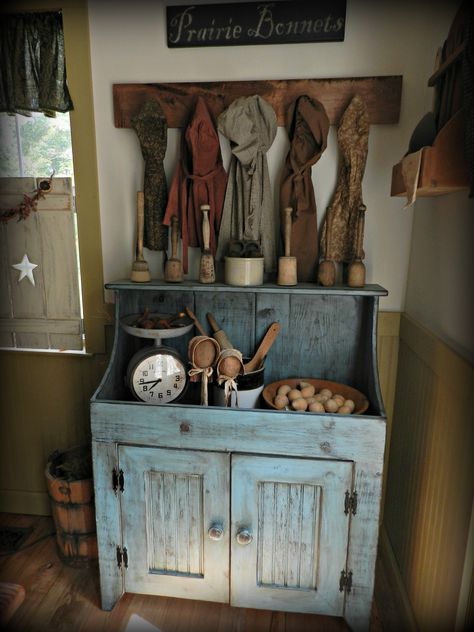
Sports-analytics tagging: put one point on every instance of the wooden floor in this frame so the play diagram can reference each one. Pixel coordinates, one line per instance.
(63, 599)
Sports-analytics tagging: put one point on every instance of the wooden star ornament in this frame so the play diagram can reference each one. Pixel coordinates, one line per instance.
(26, 269)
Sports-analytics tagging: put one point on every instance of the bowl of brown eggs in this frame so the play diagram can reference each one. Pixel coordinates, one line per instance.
(314, 396)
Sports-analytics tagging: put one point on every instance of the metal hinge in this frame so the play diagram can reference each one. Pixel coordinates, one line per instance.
(122, 557)
(117, 480)
(345, 581)
(350, 503)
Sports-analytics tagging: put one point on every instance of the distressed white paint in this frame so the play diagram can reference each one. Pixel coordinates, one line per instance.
(170, 500)
(312, 540)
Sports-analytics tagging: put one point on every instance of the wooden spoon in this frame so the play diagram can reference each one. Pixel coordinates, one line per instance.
(267, 341)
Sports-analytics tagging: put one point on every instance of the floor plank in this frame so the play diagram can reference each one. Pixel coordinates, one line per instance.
(64, 599)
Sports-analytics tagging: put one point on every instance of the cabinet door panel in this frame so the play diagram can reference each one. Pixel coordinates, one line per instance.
(294, 509)
(170, 500)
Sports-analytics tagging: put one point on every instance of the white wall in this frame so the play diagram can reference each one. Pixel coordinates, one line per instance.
(128, 44)
(440, 288)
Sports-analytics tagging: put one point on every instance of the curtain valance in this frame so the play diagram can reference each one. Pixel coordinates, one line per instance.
(32, 64)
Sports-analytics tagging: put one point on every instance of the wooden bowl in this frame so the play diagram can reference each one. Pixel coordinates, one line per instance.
(360, 400)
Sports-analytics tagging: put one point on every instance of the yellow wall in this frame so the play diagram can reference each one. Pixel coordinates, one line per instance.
(431, 475)
(44, 406)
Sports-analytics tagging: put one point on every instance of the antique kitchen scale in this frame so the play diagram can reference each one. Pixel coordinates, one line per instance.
(156, 374)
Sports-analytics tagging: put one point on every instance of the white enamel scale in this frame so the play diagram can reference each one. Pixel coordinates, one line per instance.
(156, 374)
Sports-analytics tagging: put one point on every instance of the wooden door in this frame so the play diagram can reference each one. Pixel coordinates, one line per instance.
(173, 505)
(289, 533)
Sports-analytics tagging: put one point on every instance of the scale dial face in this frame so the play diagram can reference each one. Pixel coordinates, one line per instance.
(157, 376)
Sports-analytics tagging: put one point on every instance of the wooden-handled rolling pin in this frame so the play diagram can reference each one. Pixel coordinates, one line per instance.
(219, 334)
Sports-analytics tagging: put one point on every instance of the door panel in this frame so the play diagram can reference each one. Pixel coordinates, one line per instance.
(170, 500)
(294, 509)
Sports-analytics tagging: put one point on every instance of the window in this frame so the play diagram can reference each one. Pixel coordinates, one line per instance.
(76, 41)
(35, 145)
(41, 306)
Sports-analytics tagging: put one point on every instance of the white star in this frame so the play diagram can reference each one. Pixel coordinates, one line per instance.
(26, 268)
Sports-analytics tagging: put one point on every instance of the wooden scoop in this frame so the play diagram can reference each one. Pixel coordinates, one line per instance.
(287, 267)
(174, 267)
(267, 341)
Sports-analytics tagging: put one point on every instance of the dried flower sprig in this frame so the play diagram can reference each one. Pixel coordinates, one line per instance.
(29, 204)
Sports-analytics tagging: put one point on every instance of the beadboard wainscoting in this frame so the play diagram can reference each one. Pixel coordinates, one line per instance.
(431, 478)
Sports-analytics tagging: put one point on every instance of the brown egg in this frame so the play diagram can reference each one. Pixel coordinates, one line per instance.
(299, 404)
(303, 385)
(325, 391)
(316, 407)
(281, 401)
(311, 400)
(321, 398)
(307, 391)
(344, 410)
(339, 399)
(330, 406)
(350, 404)
(284, 389)
(295, 393)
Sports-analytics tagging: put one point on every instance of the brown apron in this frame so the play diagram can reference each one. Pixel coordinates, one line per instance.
(308, 127)
(200, 178)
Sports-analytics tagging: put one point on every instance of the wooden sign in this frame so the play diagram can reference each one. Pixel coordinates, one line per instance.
(240, 23)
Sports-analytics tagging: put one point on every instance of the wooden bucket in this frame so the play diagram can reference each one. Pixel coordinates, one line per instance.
(72, 504)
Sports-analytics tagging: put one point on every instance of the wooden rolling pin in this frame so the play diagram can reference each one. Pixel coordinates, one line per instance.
(219, 334)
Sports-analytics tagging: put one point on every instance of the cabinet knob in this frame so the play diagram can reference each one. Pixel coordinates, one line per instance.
(216, 532)
(244, 537)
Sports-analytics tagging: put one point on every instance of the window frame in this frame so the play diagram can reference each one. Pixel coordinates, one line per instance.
(79, 75)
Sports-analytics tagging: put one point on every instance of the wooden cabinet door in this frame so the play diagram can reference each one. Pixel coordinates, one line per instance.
(289, 533)
(171, 499)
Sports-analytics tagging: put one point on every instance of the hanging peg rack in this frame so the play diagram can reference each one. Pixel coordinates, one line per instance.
(382, 96)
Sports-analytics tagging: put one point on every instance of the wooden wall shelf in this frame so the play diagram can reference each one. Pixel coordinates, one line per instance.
(443, 166)
(382, 96)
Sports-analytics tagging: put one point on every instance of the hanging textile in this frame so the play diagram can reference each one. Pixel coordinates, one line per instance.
(308, 127)
(33, 65)
(250, 125)
(200, 178)
(151, 128)
(342, 233)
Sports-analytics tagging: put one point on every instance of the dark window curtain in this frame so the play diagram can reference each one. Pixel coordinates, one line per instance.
(32, 63)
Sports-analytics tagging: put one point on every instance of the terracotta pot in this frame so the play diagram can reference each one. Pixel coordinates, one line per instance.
(72, 504)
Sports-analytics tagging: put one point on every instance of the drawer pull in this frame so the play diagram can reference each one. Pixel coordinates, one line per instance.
(216, 532)
(244, 537)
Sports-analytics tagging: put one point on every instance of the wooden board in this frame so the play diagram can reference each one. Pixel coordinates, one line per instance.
(382, 96)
